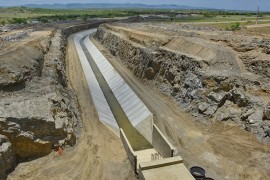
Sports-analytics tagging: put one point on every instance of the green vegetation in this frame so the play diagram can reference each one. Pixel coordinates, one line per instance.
(2, 22)
(234, 26)
(24, 14)
(62, 14)
(17, 21)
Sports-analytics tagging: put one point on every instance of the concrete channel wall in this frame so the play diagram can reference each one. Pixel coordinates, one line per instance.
(138, 114)
(161, 144)
(104, 112)
(131, 154)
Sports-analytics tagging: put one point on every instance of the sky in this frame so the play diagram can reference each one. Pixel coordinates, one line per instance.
(219, 4)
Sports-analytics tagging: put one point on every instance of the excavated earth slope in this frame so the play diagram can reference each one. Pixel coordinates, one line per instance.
(38, 109)
(215, 75)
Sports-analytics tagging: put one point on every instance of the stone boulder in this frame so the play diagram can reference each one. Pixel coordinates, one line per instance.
(255, 117)
(267, 111)
(219, 98)
(247, 113)
(229, 111)
(170, 75)
(211, 110)
(176, 88)
(203, 106)
(239, 98)
(198, 94)
(7, 156)
(149, 73)
(192, 81)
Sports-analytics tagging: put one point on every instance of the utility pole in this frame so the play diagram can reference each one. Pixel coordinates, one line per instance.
(257, 15)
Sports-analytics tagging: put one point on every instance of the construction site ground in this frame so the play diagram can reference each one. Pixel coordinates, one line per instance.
(225, 150)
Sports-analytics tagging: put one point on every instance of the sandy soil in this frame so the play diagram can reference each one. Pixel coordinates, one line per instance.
(225, 151)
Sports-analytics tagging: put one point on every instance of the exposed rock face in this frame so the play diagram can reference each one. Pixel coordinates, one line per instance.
(7, 156)
(267, 111)
(35, 125)
(204, 78)
(17, 68)
(37, 110)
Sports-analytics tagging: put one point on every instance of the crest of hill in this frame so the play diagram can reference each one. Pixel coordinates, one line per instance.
(109, 6)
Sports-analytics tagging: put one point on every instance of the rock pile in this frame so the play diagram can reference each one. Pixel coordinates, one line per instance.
(17, 36)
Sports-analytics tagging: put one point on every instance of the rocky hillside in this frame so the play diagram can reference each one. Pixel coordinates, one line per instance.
(37, 110)
(214, 75)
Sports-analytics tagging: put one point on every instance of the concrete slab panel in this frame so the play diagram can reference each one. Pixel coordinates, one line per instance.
(143, 127)
(161, 144)
(169, 168)
(124, 94)
(103, 110)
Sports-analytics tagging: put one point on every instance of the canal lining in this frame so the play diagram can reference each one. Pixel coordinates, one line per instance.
(136, 139)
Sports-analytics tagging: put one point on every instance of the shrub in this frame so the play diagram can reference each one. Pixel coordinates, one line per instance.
(234, 26)
(43, 19)
(2, 22)
(18, 21)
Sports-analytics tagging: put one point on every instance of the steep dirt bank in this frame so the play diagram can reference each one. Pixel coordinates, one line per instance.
(205, 74)
(224, 149)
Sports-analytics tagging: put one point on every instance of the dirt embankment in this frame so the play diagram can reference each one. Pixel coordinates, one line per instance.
(224, 150)
(214, 77)
(38, 111)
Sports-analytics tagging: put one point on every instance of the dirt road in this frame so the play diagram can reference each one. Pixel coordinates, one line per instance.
(225, 151)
